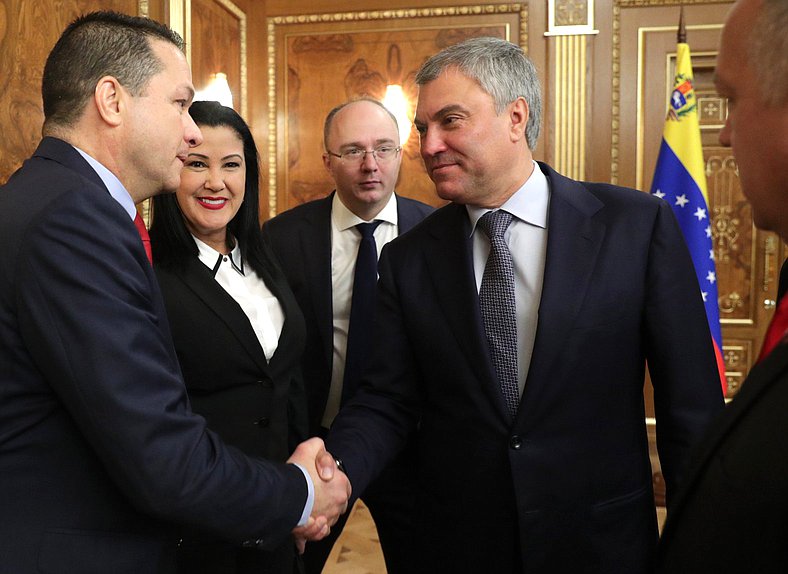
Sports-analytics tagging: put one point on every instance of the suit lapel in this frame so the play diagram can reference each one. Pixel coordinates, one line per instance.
(449, 259)
(573, 243)
(197, 277)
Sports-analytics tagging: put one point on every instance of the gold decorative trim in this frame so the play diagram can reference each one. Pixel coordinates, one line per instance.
(641, 3)
(570, 17)
(570, 105)
(615, 97)
(640, 121)
(180, 14)
(241, 15)
(142, 8)
(368, 15)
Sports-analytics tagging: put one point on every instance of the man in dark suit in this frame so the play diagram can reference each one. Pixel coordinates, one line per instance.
(531, 442)
(731, 514)
(317, 244)
(100, 453)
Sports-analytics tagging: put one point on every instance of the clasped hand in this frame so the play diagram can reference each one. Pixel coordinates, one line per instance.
(332, 490)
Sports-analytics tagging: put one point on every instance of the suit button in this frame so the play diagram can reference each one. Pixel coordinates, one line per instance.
(262, 422)
(515, 443)
(265, 384)
(252, 543)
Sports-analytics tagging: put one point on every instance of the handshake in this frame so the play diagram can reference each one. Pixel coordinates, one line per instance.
(332, 491)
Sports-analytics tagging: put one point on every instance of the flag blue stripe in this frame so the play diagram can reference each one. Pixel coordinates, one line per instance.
(674, 183)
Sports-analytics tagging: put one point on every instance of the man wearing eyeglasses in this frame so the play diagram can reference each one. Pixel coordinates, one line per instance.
(318, 245)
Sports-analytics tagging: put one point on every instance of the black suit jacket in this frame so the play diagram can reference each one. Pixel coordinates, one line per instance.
(254, 405)
(567, 486)
(99, 451)
(732, 513)
(301, 239)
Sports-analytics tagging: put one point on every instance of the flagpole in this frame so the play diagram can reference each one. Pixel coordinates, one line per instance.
(681, 37)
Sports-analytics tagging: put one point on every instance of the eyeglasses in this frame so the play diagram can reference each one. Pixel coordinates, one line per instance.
(358, 155)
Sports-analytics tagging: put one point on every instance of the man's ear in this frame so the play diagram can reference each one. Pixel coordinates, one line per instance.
(327, 163)
(110, 100)
(518, 116)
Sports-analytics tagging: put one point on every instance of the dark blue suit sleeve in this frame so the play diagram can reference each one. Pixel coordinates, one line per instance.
(91, 315)
(680, 355)
(375, 424)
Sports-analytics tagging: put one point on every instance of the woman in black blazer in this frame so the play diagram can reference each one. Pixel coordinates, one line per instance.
(238, 331)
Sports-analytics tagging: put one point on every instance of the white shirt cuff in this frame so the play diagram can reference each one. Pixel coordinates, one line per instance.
(310, 498)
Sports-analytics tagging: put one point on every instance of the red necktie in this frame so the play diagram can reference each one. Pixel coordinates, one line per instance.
(143, 231)
(777, 330)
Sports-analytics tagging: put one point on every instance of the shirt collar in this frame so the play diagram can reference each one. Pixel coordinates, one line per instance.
(212, 259)
(115, 188)
(528, 204)
(345, 219)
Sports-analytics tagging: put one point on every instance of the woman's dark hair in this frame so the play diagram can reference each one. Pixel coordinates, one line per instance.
(171, 240)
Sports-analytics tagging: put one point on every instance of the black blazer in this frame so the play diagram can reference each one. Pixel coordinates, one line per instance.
(99, 451)
(254, 405)
(301, 240)
(566, 487)
(732, 513)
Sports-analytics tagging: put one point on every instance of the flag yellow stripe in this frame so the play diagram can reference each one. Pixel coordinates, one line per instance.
(683, 136)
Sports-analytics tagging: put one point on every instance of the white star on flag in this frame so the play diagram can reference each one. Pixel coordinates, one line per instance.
(700, 213)
(711, 277)
(704, 295)
(660, 194)
(708, 231)
(711, 254)
(681, 200)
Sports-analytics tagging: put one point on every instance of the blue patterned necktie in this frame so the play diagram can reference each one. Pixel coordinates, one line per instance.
(496, 299)
(362, 308)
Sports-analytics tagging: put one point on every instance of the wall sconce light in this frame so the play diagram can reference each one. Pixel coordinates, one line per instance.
(397, 104)
(395, 100)
(218, 90)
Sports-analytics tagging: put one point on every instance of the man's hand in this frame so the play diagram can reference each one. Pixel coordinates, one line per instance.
(332, 490)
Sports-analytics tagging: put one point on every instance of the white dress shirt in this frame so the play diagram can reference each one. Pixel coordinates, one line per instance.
(527, 241)
(345, 239)
(116, 189)
(263, 309)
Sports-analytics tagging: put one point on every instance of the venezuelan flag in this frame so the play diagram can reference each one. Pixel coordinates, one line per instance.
(680, 179)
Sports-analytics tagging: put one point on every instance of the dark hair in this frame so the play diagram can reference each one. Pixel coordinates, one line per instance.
(171, 240)
(95, 45)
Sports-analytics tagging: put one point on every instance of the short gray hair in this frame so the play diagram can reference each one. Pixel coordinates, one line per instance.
(769, 51)
(502, 70)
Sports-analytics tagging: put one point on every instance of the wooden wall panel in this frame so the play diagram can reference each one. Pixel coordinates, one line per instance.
(317, 66)
(218, 44)
(28, 30)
